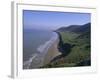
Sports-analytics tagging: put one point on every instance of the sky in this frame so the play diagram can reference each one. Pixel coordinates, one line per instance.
(51, 20)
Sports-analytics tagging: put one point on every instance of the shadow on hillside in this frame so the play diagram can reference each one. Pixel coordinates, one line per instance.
(84, 63)
(64, 48)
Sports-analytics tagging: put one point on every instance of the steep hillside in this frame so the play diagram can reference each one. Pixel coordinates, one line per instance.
(76, 28)
(75, 46)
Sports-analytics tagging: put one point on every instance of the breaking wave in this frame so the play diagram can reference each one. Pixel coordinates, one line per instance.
(37, 58)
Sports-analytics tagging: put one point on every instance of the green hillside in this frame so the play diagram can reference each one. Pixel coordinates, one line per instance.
(75, 48)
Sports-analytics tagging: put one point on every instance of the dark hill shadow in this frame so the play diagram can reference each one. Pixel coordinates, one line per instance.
(84, 63)
(64, 48)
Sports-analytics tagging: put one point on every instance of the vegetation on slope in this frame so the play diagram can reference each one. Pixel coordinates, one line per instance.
(74, 46)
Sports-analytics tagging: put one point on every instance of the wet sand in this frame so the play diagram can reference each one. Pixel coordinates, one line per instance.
(52, 52)
(48, 53)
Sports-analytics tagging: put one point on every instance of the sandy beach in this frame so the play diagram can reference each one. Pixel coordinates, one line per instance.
(52, 52)
(46, 53)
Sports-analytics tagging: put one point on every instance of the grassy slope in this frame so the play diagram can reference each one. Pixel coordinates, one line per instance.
(78, 53)
(80, 50)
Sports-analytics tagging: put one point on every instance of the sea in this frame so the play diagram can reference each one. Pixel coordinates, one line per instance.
(35, 45)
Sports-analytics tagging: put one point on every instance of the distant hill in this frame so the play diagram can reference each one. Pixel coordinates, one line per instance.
(76, 28)
(75, 46)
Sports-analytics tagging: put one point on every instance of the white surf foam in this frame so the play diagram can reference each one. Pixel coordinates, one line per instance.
(41, 51)
(46, 45)
(28, 63)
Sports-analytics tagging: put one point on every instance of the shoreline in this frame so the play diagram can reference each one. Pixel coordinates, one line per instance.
(46, 52)
(52, 52)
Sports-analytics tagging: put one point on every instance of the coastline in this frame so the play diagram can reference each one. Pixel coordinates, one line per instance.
(46, 53)
(52, 52)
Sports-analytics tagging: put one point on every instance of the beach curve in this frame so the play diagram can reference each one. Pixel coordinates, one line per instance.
(46, 52)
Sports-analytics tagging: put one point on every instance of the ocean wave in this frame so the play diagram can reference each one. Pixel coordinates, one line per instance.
(41, 51)
(28, 63)
(47, 44)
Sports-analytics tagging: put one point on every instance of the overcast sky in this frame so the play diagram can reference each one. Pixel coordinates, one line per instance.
(53, 20)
